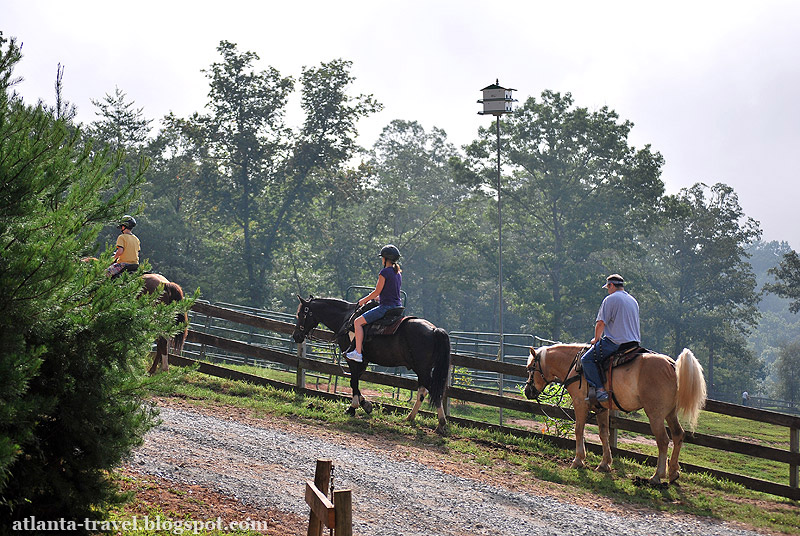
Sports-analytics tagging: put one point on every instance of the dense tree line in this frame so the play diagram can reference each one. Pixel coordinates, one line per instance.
(254, 211)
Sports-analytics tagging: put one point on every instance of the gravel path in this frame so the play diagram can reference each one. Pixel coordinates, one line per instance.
(392, 495)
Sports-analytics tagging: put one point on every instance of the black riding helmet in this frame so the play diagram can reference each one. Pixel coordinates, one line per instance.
(127, 221)
(390, 252)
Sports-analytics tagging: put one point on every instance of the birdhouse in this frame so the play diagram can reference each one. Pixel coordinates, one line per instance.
(496, 100)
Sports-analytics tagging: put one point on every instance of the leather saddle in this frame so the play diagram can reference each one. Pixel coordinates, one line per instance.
(388, 325)
(624, 355)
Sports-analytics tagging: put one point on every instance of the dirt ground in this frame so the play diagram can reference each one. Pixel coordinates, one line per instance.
(180, 501)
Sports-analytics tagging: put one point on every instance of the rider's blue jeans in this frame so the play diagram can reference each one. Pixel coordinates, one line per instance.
(377, 313)
(593, 359)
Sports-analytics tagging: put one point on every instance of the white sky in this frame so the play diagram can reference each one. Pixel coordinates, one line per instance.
(714, 86)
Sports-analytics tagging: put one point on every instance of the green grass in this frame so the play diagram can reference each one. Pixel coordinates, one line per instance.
(698, 494)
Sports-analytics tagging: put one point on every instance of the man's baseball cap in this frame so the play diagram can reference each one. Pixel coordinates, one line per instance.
(616, 279)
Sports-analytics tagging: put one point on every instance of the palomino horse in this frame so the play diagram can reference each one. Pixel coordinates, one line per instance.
(418, 345)
(662, 386)
(170, 293)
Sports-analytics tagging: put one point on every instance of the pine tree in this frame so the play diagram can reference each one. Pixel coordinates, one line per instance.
(72, 342)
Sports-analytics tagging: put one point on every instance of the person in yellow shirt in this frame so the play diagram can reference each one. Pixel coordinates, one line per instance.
(126, 256)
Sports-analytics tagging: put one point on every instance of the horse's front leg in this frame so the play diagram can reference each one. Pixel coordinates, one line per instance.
(581, 414)
(161, 354)
(603, 419)
(421, 392)
(356, 369)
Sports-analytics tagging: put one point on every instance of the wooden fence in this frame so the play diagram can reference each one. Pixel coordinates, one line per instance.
(302, 364)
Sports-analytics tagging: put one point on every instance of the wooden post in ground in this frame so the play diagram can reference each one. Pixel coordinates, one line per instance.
(322, 480)
(613, 432)
(343, 506)
(336, 515)
(301, 373)
(794, 446)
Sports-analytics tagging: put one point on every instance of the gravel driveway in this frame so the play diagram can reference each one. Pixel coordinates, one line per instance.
(267, 467)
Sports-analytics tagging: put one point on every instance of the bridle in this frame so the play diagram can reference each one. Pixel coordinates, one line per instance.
(308, 313)
(537, 367)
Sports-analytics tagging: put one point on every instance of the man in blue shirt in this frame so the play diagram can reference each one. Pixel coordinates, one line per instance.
(617, 323)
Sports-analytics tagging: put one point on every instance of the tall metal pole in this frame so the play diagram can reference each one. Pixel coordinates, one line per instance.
(499, 242)
(499, 265)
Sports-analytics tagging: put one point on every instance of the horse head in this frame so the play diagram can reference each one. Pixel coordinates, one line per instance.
(305, 320)
(536, 380)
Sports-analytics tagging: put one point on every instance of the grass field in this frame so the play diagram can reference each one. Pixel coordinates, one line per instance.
(697, 494)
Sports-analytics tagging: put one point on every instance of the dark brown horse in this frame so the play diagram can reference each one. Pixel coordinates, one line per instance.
(418, 345)
(170, 293)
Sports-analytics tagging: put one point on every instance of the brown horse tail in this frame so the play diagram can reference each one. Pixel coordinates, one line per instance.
(175, 295)
(691, 387)
(441, 366)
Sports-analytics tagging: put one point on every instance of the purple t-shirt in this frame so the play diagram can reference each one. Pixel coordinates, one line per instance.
(390, 294)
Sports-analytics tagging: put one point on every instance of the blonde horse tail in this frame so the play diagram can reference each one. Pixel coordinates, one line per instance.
(691, 387)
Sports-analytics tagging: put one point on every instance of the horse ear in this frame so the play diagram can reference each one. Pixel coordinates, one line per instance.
(300, 298)
(310, 297)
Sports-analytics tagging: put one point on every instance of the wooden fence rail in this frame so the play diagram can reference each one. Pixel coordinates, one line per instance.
(301, 364)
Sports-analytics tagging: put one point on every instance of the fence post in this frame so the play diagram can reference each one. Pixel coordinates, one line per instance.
(343, 506)
(301, 373)
(612, 429)
(322, 480)
(794, 446)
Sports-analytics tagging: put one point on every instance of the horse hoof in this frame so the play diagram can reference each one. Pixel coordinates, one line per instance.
(367, 405)
(603, 468)
(577, 464)
(441, 430)
(673, 478)
(351, 411)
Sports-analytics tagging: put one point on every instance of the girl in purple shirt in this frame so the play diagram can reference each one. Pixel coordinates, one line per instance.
(387, 290)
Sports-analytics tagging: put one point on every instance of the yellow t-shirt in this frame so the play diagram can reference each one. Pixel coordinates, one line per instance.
(130, 248)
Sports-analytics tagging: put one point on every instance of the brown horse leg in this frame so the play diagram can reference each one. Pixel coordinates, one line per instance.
(421, 392)
(581, 414)
(677, 442)
(161, 353)
(603, 424)
(662, 440)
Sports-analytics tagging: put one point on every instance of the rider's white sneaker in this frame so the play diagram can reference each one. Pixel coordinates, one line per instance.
(354, 356)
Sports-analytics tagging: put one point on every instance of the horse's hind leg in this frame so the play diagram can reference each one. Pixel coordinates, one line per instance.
(677, 441)
(662, 440)
(421, 392)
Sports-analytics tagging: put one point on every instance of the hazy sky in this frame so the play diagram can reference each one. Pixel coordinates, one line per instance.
(713, 86)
